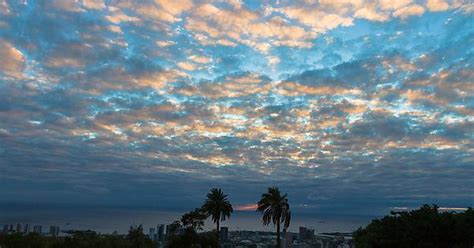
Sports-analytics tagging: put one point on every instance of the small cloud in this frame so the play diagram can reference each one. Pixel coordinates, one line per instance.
(273, 60)
(246, 207)
(12, 61)
(4, 132)
(200, 59)
(408, 11)
(187, 66)
(452, 209)
(437, 5)
(400, 208)
(371, 14)
(66, 5)
(94, 4)
(165, 43)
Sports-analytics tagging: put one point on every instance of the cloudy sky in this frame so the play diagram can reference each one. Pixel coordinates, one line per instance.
(347, 105)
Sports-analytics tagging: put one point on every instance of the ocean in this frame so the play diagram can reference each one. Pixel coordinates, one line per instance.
(108, 220)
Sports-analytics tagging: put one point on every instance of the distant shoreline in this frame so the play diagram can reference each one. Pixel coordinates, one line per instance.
(108, 220)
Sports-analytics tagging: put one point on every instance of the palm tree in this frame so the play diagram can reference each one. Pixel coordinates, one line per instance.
(218, 207)
(275, 208)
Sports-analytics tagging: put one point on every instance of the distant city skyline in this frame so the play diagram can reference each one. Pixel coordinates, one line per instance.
(350, 107)
(305, 237)
(108, 220)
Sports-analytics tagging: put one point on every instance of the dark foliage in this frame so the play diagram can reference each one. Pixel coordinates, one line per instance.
(185, 233)
(194, 219)
(137, 238)
(190, 238)
(78, 239)
(218, 207)
(424, 227)
(275, 209)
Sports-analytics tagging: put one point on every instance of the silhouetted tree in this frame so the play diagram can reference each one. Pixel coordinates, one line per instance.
(276, 209)
(137, 238)
(174, 227)
(78, 239)
(188, 235)
(424, 227)
(194, 219)
(191, 239)
(218, 207)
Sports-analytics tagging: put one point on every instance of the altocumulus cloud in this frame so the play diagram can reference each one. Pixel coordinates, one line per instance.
(347, 105)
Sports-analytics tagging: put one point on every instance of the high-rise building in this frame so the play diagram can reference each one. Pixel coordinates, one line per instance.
(151, 234)
(37, 229)
(287, 239)
(305, 233)
(26, 229)
(160, 232)
(54, 231)
(5, 228)
(285, 242)
(11, 229)
(18, 228)
(224, 234)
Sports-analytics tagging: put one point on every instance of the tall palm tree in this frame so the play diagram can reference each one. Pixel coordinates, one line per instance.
(218, 207)
(275, 208)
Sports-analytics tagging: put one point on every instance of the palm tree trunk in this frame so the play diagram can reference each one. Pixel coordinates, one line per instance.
(278, 233)
(218, 236)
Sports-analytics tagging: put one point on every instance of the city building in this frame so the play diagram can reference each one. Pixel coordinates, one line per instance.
(5, 228)
(160, 231)
(151, 233)
(224, 234)
(305, 234)
(287, 239)
(26, 229)
(37, 229)
(54, 231)
(18, 228)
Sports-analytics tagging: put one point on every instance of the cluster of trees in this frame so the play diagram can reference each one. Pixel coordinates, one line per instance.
(424, 227)
(273, 205)
(78, 239)
(186, 232)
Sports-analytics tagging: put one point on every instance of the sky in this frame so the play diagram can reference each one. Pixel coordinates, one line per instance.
(349, 106)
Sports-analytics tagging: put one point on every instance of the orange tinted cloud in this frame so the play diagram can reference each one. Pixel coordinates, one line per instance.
(12, 61)
(246, 207)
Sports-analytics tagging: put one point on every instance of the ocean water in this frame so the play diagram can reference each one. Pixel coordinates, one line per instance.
(108, 220)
